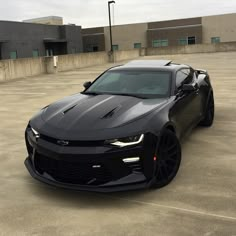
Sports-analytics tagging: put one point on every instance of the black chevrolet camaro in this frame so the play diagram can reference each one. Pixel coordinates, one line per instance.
(122, 132)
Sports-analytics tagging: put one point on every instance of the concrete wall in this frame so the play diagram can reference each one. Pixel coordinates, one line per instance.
(26, 67)
(126, 35)
(13, 69)
(70, 62)
(223, 26)
(188, 49)
(126, 55)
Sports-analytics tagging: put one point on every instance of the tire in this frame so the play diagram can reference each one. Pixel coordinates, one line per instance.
(209, 115)
(168, 159)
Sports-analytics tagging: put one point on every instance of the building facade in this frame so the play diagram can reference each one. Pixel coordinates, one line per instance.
(20, 40)
(174, 32)
(93, 39)
(126, 36)
(48, 36)
(220, 28)
(188, 31)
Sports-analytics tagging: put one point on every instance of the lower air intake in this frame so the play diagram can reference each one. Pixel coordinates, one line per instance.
(73, 172)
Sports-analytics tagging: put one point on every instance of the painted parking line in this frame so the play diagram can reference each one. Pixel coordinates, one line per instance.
(208, 214)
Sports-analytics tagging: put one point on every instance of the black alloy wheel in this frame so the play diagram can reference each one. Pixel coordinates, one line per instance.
(168, 158)
(209, 115)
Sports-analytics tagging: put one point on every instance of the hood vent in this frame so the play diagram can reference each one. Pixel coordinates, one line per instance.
(111, 113)
(70, 108)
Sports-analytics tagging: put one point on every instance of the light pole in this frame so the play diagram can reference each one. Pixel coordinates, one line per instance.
(109, 11)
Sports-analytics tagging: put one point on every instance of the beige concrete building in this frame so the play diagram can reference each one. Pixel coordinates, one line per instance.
(174, 32)
(208, 29)
(49, 20)
(220, 28)
(126, 36)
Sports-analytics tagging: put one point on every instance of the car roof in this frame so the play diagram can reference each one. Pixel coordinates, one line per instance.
(150, 64)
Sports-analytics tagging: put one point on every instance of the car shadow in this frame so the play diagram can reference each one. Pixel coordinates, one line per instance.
(85, 199)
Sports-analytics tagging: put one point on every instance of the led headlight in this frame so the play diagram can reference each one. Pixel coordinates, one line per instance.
(36, 133)
(128, 141)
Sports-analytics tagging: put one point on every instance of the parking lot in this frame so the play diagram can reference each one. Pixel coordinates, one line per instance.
(200, 201)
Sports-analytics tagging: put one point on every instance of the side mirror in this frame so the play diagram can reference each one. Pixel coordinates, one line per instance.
(188, 87)
(87, 84)
(201, 71)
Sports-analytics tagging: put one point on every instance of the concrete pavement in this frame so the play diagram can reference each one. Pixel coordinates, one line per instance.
(200, 201)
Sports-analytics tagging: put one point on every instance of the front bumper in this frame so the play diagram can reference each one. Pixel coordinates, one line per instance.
(102, 188)
(74, 167)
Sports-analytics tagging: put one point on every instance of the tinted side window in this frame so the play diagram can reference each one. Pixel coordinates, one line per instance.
(184, 76)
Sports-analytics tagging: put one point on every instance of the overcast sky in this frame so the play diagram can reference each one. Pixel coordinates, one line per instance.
(91, 13)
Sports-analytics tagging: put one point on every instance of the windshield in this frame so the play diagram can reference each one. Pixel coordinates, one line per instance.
(144, 84)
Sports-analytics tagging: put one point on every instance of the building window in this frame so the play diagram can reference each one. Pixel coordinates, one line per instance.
(115, 47)
(160, 43)
(137, 45)
(13, 55)
(36, 53)
(95, 48)
(91, 48)
(187, 41)
(192, 40)
(183, 41)
(156, 43)
(215, 40)
(164, 43)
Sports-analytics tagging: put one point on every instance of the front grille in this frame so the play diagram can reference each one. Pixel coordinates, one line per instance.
(73, 172)
(73, 143)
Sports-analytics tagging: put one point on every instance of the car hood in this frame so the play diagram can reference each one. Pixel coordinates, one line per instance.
(86, 113)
